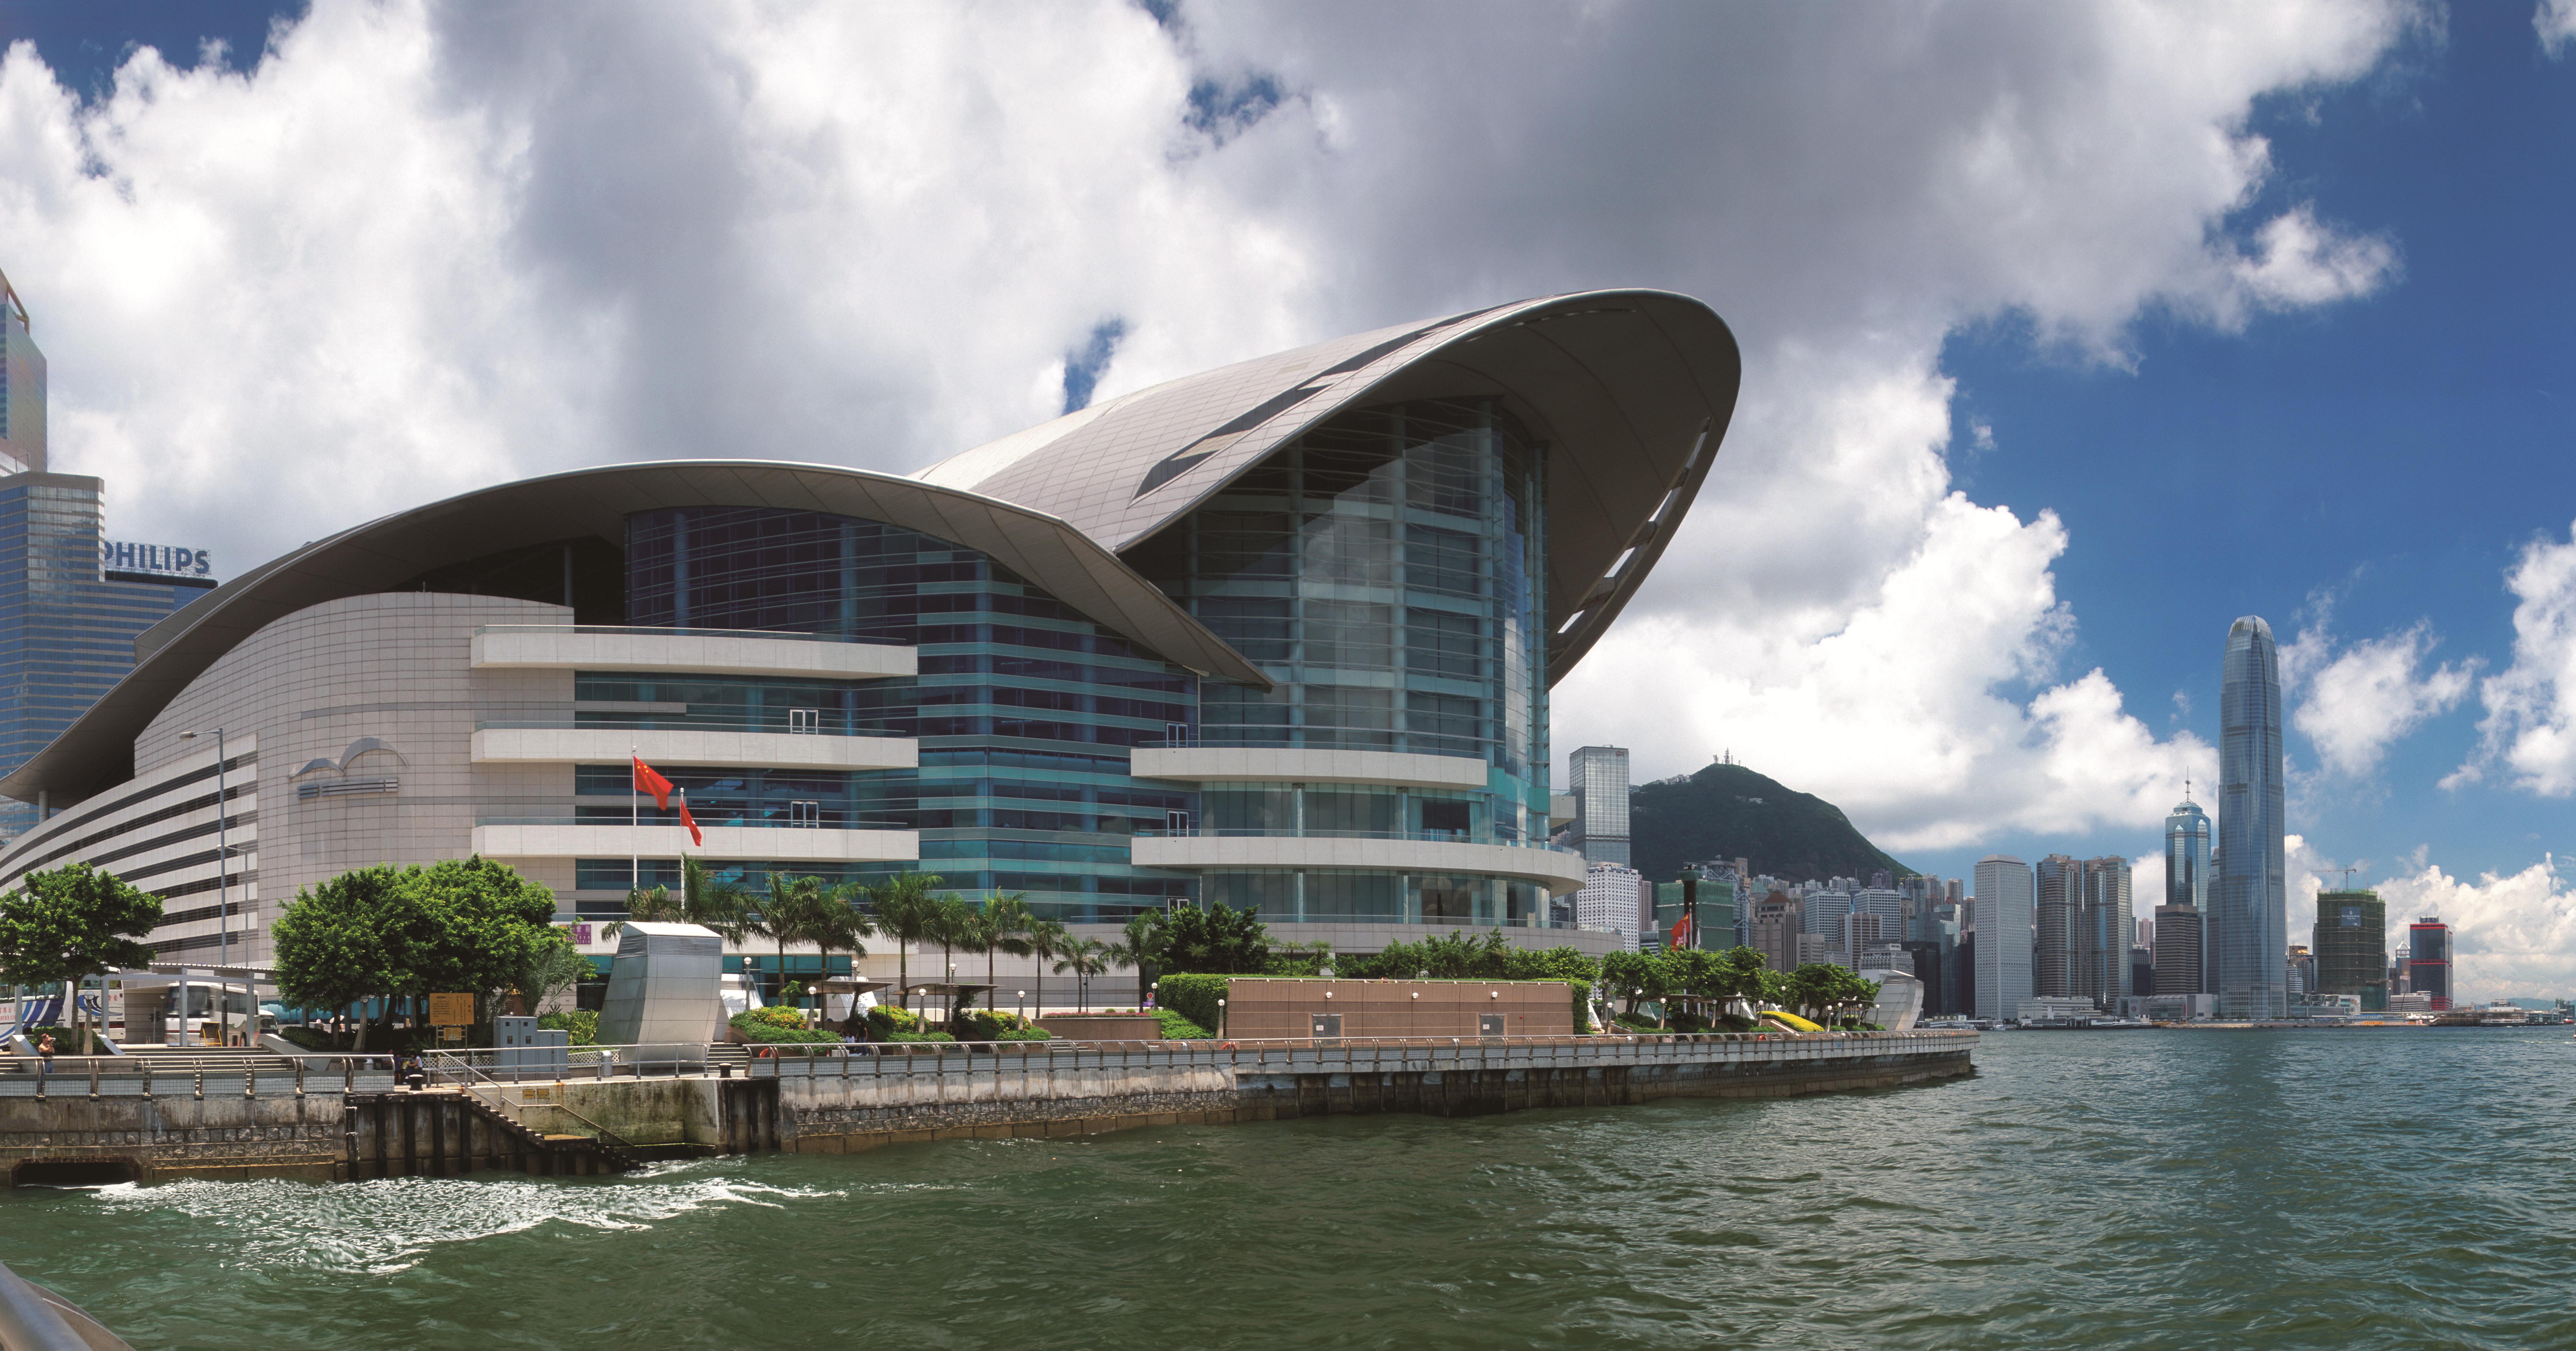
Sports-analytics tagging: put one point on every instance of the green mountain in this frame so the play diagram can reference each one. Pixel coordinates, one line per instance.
(1728, 811)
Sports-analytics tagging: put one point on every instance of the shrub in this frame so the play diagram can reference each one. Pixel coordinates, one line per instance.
(1193, 997)
(993, 1025)
(761, 1035)
(1027, 1034)
(775, 1015)
(580, 1026)
(1177, 1026)
(886, 1022)
(921, 1036)
(311, 1039)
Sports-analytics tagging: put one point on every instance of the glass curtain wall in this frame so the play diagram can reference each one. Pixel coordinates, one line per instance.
(1383, 569)
(1024, 708)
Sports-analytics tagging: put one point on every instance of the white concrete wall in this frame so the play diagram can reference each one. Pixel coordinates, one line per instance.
(565, 649)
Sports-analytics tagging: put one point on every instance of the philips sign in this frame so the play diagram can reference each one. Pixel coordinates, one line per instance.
(163, 560)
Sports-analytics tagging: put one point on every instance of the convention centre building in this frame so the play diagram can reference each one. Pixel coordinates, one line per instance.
(1278, 634)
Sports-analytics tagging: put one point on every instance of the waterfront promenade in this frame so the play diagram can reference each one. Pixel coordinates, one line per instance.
(330, 1118)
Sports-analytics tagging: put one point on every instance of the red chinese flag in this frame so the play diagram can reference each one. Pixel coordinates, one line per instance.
(646, 781)
(691, 822)
(1682, 934)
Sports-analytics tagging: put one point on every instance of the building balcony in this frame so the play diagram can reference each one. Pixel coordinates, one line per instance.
(1293, 764)
(589, 647)
(748, 746)
(570, 837)
(1560, 870)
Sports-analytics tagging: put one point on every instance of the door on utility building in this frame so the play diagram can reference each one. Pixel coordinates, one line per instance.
(1328, 1024)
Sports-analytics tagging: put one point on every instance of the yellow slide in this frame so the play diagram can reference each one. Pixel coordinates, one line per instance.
(1789, 1021)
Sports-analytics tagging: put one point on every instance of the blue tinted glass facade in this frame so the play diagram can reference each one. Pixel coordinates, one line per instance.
(1384, 569)
(2249, 923)
(66, 634)
(1024, 709)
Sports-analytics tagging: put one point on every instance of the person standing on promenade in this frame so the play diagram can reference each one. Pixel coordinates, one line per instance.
(44, 1054)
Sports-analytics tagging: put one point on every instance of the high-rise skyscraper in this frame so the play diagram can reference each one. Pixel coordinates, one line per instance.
(2249, 922)
(22, 389)
(1598, 778)
(2104, 932)
(2351, 946)
(2052, 959)
(71, 603)
(2428, 959)
(2005, 898)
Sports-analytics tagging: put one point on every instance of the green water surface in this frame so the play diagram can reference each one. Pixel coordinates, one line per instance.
(2141, 1189)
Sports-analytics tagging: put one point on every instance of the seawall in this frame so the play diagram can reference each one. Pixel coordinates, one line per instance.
(322, 1126)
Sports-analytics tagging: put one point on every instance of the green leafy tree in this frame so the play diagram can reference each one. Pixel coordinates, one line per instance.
(331, 943)
(554, 967)
(1219, 940)
(469, 924)
(904, 907)
(1629, 977)
(952, 925)
(71, 923)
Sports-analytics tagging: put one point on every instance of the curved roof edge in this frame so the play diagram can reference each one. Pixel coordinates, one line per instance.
(1633, 389)
(97, 750)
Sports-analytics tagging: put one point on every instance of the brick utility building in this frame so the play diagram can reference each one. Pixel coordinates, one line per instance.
(1279, 634)
(2351, 947)
(1287, 1006)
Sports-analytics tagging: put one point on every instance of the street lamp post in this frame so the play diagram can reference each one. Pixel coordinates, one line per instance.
(223, 902)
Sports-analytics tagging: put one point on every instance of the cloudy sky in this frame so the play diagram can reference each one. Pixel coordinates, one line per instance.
(2072, 331)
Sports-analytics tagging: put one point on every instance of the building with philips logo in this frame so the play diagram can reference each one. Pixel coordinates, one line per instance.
(1277, 635)
(69, 613)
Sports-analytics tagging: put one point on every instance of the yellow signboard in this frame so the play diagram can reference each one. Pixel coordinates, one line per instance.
(451, 1010)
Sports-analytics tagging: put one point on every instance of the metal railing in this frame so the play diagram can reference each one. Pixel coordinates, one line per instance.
(1416, 836)
(297, 1076)
(782, 725)
(709, 820)
(647, 631)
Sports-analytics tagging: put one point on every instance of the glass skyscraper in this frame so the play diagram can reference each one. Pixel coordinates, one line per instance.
(2182, 964)
(1599, 781)
(22, 389)
(2249, 921)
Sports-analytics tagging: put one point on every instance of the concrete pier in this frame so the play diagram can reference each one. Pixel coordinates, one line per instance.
(306, 1121)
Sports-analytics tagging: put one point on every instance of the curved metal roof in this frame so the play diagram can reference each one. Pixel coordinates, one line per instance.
(1632, 390)
(97, 750)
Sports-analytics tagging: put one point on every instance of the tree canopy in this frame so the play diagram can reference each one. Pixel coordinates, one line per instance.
(71, 923)
(464, 925)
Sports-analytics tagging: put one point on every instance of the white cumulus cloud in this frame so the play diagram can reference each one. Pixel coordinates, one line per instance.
(2355, 701)
(423, 247)
(2555, 21)
(2530, 722)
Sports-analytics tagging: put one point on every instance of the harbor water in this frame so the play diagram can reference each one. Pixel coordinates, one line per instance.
(2341, 1189)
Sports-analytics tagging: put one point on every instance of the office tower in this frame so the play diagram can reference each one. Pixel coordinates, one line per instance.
(1824, 916)
(2005, 899)
(1609, 899)
(2428, 960)
(2188, 839)
(1598, 778)
(2301, 969)
(1773, 930)
(71, 603)
(1887, 904)
(2142, 970)
(2351, 947)
(2179, 960)
(22, 389)
(2052, 962)
(2105, 931)
(2249, 921)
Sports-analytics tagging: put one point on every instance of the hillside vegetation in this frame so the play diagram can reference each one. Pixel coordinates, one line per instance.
(1728, 811)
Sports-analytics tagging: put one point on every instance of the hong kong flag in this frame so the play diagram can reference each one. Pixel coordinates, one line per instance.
(691, 822)
(647, 781)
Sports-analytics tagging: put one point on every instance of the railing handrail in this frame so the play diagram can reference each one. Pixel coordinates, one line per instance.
(681, 722)
(1419, 836)
(647, 630)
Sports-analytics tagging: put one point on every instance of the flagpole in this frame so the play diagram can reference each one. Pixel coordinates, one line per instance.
(634, 817)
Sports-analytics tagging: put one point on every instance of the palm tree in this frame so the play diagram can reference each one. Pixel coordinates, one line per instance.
(904, 907)
(1001, 926)
(1085, 958)
(1142, 947)
(951, 920)
(722, 908)
(802, 910)
(1047, 940)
